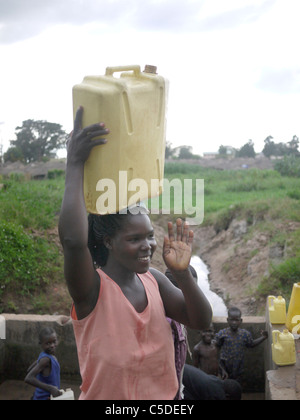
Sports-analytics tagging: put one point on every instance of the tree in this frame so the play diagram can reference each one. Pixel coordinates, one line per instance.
(37, 140)
(185, 152)
(270, 147)
(281, 149)
(169, 151)
(247, 150)
(13, 154)
(223, 150)
(293, 146)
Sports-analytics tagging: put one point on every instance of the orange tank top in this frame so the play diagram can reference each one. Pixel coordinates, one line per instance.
(123, 354)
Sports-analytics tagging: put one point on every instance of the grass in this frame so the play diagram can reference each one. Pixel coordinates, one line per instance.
(29, 259)
(29, 209)
(31, 204)
(253, 190)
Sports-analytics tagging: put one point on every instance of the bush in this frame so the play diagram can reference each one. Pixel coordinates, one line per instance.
(281, 279)
(289, 166)
(56, 173)
(25, 261)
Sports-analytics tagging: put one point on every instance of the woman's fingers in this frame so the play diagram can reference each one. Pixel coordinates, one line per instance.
(92, 131)
(78, 120)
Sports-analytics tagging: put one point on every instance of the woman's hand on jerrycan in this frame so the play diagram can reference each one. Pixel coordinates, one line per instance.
(81, 140)
(177, 251)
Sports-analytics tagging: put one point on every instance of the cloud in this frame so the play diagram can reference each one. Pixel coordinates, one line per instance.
(280, 81)
(236, 16)
(167, 15)
(20, 19)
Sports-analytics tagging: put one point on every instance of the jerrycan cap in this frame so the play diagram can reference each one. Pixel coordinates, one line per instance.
(150, 69)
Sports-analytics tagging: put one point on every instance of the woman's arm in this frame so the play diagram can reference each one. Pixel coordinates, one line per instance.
(82, 279)
(187, 305)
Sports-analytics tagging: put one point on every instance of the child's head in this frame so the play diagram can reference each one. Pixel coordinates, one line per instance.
(128, 237)
(208, 335)
(48, 340)
(234, 318)
(171, 278)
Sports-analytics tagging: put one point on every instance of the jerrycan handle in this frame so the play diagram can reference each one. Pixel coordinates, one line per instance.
(271, 298)
(111, 70)
(275, 336)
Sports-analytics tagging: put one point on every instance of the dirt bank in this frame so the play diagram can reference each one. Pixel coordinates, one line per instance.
(239, 258)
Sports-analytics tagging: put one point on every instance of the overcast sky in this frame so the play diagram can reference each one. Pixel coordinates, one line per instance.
(233, 65)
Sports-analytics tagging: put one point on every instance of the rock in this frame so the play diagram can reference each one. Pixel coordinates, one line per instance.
(238, 228)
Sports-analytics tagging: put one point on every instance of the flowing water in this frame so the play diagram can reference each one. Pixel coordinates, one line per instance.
(219, 307)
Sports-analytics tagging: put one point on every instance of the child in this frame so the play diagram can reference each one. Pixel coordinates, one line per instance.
(205, 353)
(124, 342)
(45, 373)
(233, 342)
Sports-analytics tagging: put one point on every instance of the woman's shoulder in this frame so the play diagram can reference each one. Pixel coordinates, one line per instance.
(158, 275)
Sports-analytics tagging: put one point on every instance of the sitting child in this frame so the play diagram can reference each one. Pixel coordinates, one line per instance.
(232, 342)
(44, 374)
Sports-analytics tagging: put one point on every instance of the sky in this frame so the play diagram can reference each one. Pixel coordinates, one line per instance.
(233, 65)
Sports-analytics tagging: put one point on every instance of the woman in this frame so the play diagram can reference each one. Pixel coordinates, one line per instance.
(124, 342)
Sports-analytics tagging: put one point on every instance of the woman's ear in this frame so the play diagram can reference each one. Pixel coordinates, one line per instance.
(107, 242)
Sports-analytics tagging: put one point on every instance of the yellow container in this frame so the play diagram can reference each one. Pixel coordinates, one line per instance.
(293, 316)
(131, 164)
(277, 310)
(67, 395)
(283, 348)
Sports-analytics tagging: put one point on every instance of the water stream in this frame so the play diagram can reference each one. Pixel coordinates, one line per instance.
(219, 307)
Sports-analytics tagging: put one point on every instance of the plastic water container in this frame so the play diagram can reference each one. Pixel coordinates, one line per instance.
(277, 310)
(2, 328)
(67, 395)
(283, 348)
(293, 316)
(131, 164)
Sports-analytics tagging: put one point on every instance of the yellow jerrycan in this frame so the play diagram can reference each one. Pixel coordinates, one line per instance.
(277, 310)
(67, 395)
(129, 168)
(283, 348)
(293, 316)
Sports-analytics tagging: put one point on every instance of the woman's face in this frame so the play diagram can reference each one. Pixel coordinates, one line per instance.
(134, 244)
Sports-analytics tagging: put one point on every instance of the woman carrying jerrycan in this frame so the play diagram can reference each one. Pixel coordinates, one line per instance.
(124, 342)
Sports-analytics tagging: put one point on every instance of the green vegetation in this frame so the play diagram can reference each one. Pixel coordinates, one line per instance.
(27, 262)
(31, 258)
(31, 204)
(241, 193)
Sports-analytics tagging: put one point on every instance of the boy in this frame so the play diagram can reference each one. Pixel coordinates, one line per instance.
(233, 341)
(45, 373)
(205, 353)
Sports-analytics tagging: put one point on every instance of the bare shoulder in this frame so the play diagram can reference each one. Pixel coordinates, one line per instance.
(158, 275)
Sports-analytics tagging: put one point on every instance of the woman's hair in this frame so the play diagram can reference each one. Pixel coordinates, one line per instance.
(108, 225)
(99, 227)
